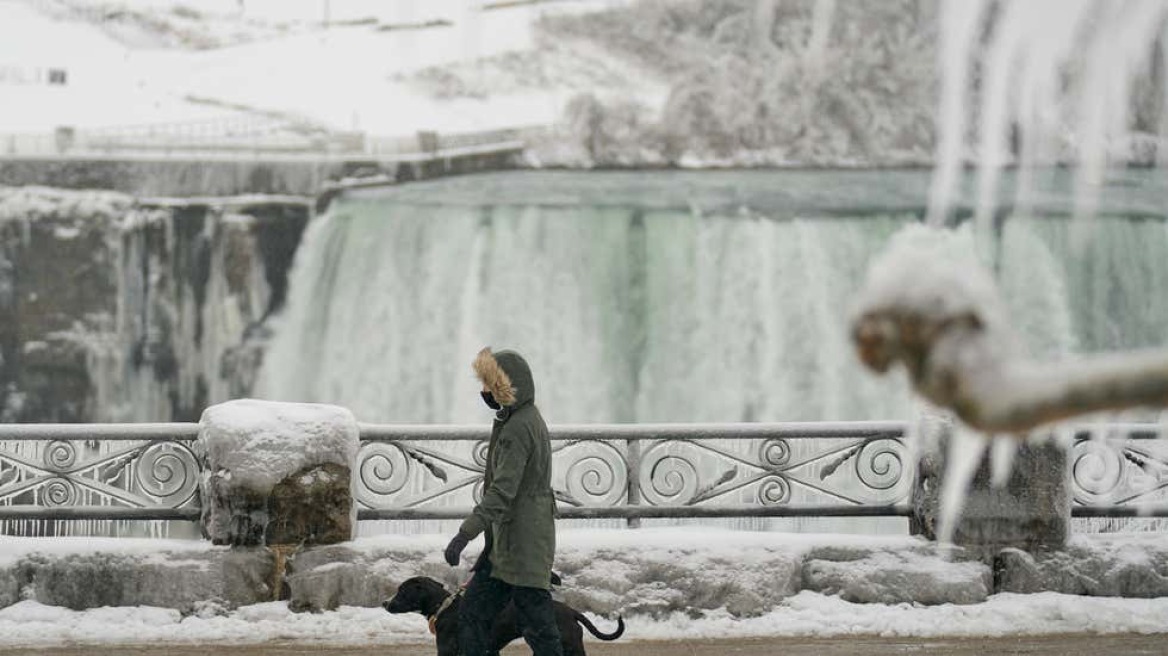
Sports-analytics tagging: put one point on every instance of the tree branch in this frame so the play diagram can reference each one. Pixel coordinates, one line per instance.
(930, 306)
(952, 366)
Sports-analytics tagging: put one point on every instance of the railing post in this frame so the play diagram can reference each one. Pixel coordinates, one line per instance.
(1031, 510)
(633, 479)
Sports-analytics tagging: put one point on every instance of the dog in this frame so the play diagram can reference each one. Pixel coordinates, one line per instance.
(430, 599)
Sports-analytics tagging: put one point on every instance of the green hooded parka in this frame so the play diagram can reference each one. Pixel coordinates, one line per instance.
(517, 506)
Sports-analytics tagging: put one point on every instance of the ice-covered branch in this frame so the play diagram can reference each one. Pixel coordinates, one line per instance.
(931, 306)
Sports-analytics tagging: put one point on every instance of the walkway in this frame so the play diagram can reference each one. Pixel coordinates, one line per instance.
(1062, 645)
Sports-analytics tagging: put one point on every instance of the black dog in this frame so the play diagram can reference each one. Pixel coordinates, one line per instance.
(426, 596)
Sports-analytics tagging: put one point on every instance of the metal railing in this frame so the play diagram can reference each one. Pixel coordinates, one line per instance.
(151, 471)
(633, 471)
(254, 137)
(1120, 470)
(98, 471)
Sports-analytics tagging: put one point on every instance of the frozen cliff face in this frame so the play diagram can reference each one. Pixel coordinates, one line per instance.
(115, 309)
(57, 281)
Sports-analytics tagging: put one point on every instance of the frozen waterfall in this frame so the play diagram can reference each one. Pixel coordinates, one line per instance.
(648, 297)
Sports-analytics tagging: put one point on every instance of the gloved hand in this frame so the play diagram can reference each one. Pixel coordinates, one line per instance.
(454, 549)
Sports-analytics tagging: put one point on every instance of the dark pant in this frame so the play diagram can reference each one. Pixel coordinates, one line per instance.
(485, 597)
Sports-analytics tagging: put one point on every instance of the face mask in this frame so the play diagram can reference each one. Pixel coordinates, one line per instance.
(489, 399)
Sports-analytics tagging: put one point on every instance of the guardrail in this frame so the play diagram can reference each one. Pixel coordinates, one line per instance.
(635, 471)
(253, 139)
(630, 471)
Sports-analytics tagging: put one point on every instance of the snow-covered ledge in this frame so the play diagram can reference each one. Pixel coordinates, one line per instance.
(277, 473)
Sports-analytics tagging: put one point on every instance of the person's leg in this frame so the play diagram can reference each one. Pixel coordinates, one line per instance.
(538, 620)
(482, 601)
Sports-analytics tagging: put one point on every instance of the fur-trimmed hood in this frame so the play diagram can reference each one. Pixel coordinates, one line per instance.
(506, 376)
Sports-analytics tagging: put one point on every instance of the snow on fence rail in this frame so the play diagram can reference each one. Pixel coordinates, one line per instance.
(631, 471)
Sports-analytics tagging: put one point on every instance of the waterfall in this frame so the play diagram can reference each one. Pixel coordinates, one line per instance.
(1108, 293)
(627, 314)
(663, 297)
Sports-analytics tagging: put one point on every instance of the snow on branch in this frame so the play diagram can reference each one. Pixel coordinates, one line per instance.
(930, 305)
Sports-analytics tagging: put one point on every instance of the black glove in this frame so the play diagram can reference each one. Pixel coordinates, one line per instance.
(454, 549)
(556, 580)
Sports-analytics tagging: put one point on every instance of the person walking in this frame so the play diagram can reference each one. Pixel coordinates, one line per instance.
(517, 513)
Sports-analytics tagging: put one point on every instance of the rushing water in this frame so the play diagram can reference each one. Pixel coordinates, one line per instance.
(664, 296)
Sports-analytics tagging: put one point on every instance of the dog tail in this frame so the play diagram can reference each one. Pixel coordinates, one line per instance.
(620, 627)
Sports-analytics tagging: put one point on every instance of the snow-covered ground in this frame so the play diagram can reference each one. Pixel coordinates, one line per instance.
(804, 613)
(137, 62)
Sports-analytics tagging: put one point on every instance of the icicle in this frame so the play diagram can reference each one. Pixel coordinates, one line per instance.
(822, 17)
(1003, 448)
(962, 459)
(961, 19)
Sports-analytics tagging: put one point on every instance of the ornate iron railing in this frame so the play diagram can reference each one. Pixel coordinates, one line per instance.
(633, 471)
(1120, 470)
(98, 471)
(149, 471)
(646, 470)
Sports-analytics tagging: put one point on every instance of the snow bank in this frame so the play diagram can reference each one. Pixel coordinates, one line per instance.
(650, 572)
(884, 577)
(14, 548)
(719, 560)
(815, 614)
(806, 614)
(30, 623)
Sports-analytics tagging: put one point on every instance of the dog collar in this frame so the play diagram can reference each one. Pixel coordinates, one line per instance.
(433, 619)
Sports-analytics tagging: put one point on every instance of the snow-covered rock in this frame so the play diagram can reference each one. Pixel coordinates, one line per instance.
(896, 577)
(655, 578)
(186, 582)
(689, 578)
(9, 587)
(328, 577)
(1101, 566)
(277, 473)
(647, 572)
(80, 573)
